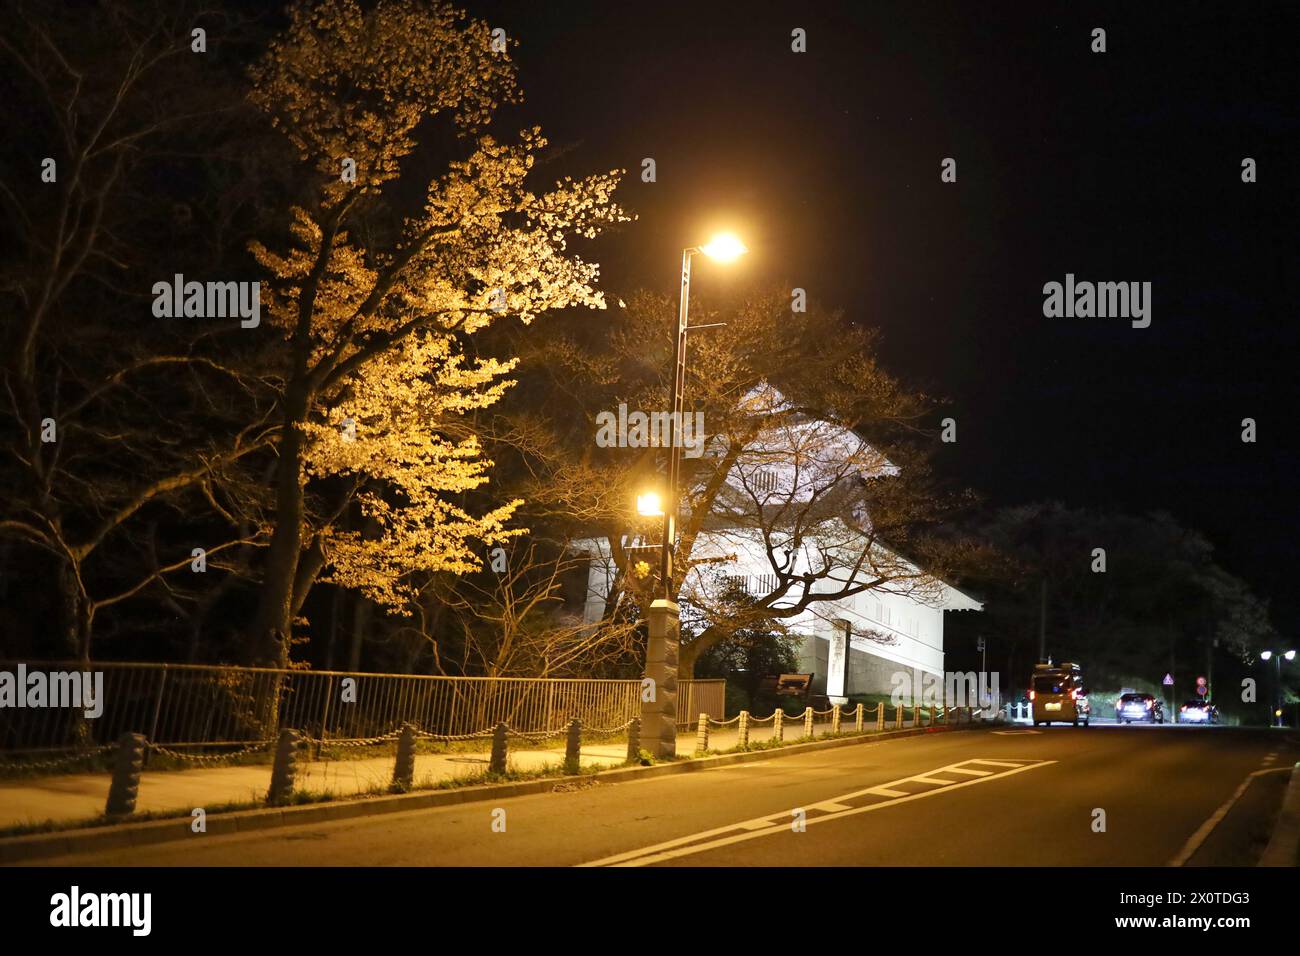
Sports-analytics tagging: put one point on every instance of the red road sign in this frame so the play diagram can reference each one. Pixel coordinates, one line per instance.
(1202, 690)
(1169, 680)
(1200, 682)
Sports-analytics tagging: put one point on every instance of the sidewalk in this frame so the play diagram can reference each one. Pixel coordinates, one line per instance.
(71, 797)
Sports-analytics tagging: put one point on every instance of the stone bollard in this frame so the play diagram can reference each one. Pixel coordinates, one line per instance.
(859, 715)
(898, 717)
(835, 719)
(880, 717)
(742, 729)
(286, 767)
(404, 768)
(702, 734)
(573, 747)
(807, 721)
(778, 728)
(125, 787)
(634, 741)
(500, 746)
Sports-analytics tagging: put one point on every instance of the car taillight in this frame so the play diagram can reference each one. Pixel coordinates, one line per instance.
(1031, 695)
(1184, 708)
(1150, 704)
(1074, 695)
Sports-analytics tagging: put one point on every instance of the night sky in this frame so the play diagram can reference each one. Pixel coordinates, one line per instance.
(1116, 166)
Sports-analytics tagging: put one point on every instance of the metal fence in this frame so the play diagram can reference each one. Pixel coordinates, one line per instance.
(187, 705)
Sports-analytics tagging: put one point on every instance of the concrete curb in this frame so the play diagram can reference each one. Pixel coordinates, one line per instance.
(1284, 845)
(39, 846)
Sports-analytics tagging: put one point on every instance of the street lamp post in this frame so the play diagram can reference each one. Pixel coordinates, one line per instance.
(659, 691)
(1277, 679)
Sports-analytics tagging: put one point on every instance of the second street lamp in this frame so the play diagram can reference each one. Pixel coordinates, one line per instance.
(1277, 680)
(659, 692)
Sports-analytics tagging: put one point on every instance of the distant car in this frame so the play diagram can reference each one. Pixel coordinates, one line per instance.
(1198, 711)
(1057, 694)
(1144, 707)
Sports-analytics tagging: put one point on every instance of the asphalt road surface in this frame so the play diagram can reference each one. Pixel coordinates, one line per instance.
(975, 798)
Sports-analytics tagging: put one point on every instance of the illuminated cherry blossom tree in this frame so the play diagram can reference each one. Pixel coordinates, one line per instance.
(376, 302)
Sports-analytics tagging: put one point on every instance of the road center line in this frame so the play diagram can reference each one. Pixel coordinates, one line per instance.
(763, 826)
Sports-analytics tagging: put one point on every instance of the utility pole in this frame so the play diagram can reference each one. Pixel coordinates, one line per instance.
(1042, 621)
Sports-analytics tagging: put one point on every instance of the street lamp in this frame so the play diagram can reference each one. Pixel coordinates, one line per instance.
(724, 247)
(659, 693)
(1277, 682)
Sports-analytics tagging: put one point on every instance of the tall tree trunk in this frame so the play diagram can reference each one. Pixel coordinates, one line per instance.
(274, 619)
(361, 615)
(76, 615)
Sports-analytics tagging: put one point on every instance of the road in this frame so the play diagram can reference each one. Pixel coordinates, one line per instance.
(975, 798)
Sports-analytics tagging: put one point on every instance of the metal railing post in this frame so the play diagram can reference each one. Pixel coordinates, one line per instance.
(157, 706)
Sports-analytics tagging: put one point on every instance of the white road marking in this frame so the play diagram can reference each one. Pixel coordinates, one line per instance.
(973, 773)
(780, 823)
(1203, 832)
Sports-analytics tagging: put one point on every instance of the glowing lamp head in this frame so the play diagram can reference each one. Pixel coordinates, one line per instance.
(1289, 655)
(1265, 655)
(649, 505)
(725, 247)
